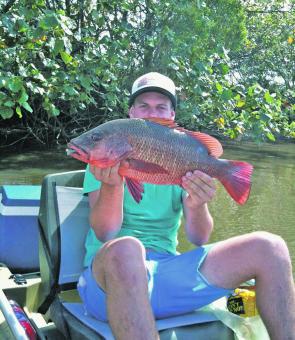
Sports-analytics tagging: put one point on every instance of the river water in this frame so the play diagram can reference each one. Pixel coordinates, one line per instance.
(271, 206)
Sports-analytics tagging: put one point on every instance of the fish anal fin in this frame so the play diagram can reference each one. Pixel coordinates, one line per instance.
(135, 188)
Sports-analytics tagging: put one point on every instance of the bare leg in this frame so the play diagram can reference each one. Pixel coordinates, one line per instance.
(119, 269)
(265, 257)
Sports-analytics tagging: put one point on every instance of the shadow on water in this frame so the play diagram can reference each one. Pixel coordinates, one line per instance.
(271, 206)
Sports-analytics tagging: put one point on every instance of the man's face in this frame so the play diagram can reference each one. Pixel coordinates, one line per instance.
(152, 105)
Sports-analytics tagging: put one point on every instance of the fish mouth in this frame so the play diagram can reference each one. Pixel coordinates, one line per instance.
(77, 152)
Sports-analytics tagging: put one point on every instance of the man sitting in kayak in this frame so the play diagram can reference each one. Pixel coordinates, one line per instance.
(134, 273)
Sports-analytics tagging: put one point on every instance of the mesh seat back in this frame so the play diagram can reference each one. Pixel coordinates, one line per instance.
(63, 218)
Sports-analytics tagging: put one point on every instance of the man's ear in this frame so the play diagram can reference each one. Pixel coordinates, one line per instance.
(172, 113)
(131, 111)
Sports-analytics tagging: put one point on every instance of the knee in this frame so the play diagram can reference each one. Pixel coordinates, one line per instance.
(271, 247)
(123, 254)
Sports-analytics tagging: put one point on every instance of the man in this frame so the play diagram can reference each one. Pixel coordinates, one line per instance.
(134, 274)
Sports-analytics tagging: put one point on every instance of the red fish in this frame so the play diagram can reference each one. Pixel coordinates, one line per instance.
(159, 151)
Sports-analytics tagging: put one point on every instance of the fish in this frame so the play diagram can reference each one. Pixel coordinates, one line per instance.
(159, 151)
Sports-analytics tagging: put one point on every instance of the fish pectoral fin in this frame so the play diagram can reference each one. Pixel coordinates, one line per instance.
(102, 163)
(108, 162)
(135, 188)
(147, 167)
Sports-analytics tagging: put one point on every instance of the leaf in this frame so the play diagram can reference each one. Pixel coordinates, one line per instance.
(48, 22)
(70, 90)
(266, 117)
(53, 110)
(26, 106)
(3, 96)
(85, 82)
(67, 58)
(56, 45)
(218, 87)
(15, 84)
(268, 97)
(19, 111)
(270, 136)
(227, 94)
(21, 26)
(225, 69)
(240, 103)
(220, 122)
(9, 103)
(6, 112)
(23, 98)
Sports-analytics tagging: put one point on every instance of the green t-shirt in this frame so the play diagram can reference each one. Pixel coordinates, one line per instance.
(154, 221)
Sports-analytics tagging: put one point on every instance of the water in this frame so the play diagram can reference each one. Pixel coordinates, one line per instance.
(271, 206)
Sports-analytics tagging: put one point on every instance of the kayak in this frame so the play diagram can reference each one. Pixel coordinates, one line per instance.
(42, 234)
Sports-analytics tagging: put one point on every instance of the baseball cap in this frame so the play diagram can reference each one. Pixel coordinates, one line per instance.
(153, 82)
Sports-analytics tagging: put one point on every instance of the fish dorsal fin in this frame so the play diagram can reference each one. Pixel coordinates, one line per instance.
(213, 146)
(165, 122)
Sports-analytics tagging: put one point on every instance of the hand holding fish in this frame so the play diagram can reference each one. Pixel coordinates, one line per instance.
(200, 187)
(108, 175)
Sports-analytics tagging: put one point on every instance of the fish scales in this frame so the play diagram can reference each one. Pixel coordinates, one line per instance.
(157, 145)
(174, 150)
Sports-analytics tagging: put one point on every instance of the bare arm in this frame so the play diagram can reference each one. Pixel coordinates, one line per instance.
(106, 213)
(198, 220)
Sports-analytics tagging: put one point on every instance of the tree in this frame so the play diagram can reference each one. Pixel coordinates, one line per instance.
(68, 65)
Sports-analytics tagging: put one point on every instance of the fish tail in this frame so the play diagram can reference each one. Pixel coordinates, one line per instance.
(237, 180)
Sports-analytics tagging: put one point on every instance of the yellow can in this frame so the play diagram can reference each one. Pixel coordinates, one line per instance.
(243, 302)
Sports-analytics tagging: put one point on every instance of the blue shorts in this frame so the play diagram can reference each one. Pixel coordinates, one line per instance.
(175, 285)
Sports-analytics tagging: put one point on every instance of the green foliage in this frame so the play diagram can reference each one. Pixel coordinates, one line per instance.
(66, 66)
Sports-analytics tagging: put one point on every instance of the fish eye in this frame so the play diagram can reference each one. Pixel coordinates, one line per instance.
(95, 137)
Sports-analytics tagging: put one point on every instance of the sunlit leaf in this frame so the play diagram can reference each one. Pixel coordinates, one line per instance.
(270, 136)
(19, 111)
(218, 87)
(240, 103)
(67, 58)
(268, 97)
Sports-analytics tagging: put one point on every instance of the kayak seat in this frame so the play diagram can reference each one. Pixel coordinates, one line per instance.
(63, 224)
